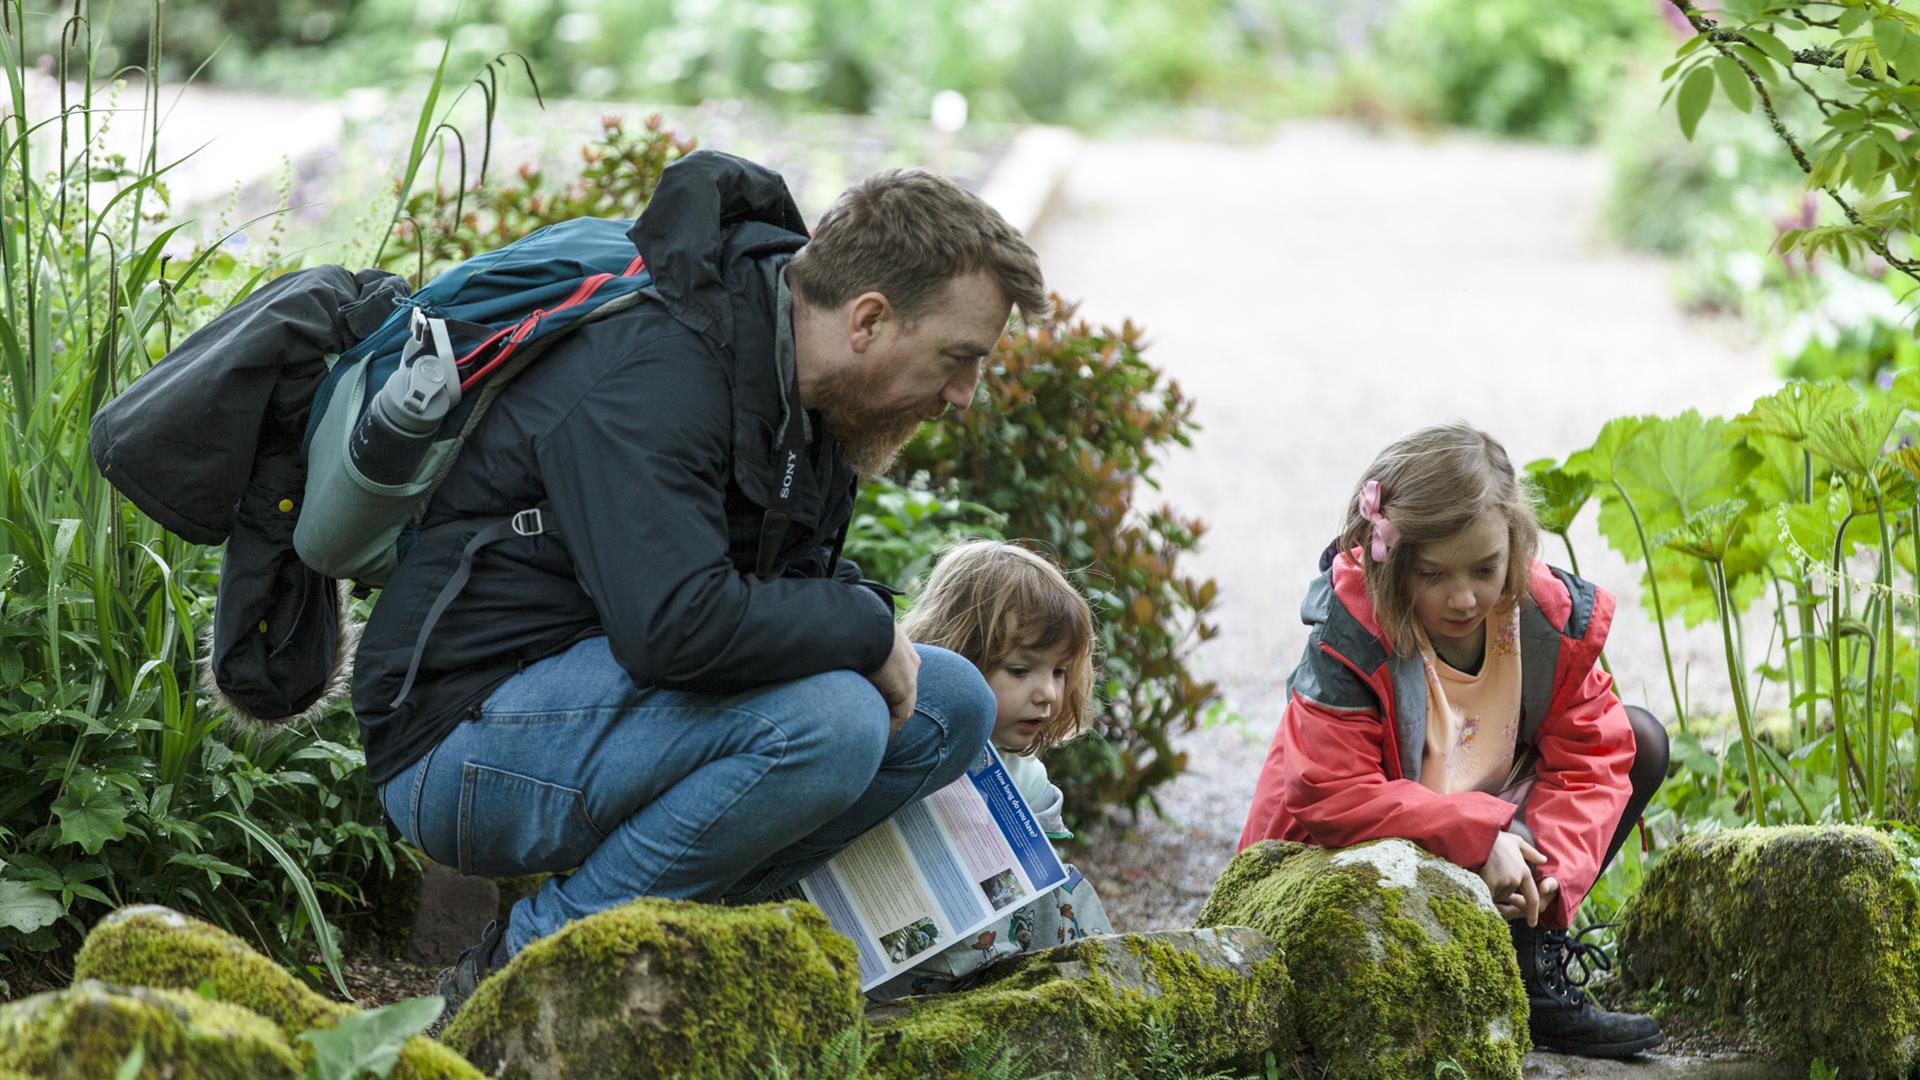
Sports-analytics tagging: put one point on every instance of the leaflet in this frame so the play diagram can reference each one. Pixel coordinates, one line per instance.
(936, 873)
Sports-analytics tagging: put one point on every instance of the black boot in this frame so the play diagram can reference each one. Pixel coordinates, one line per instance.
(476, 963)
(1558, 1012)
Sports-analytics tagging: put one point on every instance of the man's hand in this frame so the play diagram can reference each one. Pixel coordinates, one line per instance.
(898, 680)
(1509, 876)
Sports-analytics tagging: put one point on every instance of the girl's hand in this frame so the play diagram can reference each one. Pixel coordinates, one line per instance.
(1508, 873)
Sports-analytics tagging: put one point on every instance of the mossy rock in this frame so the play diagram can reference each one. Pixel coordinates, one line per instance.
(665, 988)
(1087, 1009)
(1805, 939)
(154, 946)
(86, 1031)
(1400, 963)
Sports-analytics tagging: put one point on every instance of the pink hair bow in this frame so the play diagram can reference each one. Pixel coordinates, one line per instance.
(1384, 534)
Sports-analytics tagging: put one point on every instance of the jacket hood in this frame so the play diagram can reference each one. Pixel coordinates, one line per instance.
(685, 233)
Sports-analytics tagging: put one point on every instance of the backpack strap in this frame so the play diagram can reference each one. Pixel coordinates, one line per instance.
(532, 522)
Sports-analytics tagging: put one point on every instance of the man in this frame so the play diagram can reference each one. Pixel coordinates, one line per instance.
(666, 677)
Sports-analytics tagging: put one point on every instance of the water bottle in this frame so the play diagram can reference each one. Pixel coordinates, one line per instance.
(402, 418)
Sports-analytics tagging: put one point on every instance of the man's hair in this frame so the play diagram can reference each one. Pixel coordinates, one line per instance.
(1433, 484)
(905, 233)
(986, 598)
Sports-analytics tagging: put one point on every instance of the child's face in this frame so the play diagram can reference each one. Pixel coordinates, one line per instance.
(1458, 581)
(1029, 684)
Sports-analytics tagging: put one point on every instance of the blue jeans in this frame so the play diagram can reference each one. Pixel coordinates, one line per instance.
(654, 792)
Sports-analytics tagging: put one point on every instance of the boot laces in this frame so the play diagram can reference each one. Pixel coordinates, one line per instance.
(1568, 951)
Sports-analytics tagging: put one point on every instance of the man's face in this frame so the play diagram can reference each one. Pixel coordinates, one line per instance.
(906, 372)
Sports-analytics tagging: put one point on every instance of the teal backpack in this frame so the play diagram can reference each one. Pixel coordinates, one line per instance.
(393, 412)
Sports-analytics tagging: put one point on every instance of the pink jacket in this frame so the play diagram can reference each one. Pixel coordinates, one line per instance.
(1344, 763)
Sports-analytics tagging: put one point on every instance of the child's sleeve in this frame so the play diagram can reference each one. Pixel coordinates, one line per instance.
(1586, 749)
(1332, 782)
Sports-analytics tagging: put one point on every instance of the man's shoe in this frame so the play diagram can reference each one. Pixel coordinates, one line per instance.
(476, 963)
(1558, 1013)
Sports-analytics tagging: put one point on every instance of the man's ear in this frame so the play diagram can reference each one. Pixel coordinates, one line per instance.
(866, 315)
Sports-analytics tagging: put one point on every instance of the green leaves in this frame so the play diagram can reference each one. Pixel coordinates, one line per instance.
(1733, 81)
(369, 1042)
(1696, 91)
(91, 813)
(1558, 494)
(25, 909)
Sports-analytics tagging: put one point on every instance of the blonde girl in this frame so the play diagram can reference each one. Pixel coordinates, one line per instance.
(1013, 614)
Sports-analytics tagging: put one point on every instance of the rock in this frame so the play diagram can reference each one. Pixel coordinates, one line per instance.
(153, 946)
(1805, 938)
(451, 912)
(666, 988)
(1399, 962)
(85, 1031)
(1086, 1008)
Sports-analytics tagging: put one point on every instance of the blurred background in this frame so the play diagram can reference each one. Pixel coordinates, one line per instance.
(1285, 232)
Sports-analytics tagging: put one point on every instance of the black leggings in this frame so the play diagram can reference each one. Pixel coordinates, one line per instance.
(1648, 772)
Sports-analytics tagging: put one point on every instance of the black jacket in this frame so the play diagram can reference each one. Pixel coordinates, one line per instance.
(650, 437)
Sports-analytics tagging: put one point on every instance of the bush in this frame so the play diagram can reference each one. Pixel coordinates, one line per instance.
(1517, 67)
(1073, 423)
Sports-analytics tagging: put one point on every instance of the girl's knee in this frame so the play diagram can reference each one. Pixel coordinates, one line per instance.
(1649, 748)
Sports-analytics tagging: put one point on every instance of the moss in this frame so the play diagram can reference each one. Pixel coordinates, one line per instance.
(158, 947)
(1086, 1008)
(1805, 939)
(665, 988)
(1399, 961)
(84, 1032)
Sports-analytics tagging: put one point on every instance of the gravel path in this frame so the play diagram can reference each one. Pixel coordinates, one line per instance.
(1320, 294)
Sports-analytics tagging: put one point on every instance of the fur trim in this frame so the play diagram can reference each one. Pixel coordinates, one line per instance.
(346, 643)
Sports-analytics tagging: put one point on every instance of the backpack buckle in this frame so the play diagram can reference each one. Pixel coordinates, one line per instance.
(529, 522)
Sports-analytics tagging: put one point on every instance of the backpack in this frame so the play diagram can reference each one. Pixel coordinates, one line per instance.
(307, 427)
(505, 308)
(242, 435)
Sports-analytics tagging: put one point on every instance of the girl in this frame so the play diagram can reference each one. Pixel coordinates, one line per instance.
(1013, 614)
(1450, 695)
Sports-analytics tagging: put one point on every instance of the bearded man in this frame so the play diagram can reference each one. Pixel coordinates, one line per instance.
(624, 642)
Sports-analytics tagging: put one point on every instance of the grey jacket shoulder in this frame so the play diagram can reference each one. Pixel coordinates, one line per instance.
(1322, 678)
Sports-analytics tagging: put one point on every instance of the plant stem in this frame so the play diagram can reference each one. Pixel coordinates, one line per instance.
(1659, 614)
(1834, 594)
(1786, 638)
(1756, 788)
(1885, 578)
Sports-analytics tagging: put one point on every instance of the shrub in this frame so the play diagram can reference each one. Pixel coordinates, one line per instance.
(1515, 67)
(1073, 423)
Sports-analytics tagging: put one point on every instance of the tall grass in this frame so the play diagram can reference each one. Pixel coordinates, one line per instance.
(118, 780)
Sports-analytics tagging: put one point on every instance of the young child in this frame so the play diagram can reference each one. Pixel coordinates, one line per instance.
(1015, 616)
(1450, 694)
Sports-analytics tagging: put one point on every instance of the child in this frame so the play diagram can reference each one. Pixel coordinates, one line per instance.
(1013, 614)
(1450, 695)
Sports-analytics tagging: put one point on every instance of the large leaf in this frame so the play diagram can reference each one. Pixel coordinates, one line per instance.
(1680, 466)
(1854, 439)
(25, 908)
(370, 1042)
(1558, 494)
(1790, 412)
(90, 814)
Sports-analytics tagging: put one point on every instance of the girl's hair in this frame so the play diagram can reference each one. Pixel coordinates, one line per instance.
(1433, 483)
(985, 599)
